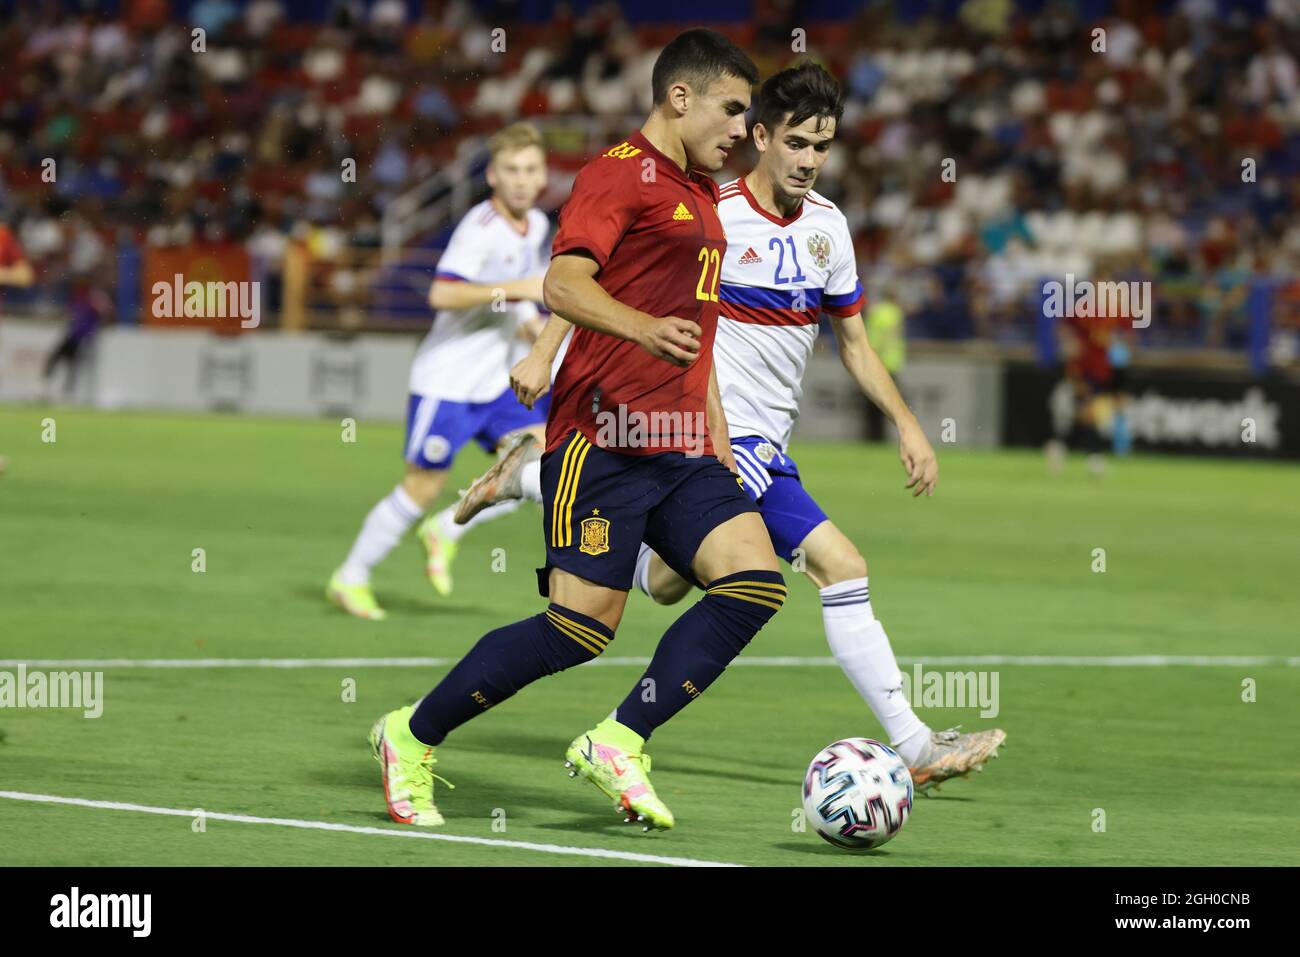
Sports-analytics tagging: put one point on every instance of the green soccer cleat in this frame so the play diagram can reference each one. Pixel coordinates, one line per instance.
(610, 757)
(356, 600)
(441, 552)
(408, 770)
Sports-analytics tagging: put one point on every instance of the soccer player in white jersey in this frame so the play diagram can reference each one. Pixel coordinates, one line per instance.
(485, 290)
(789, 258)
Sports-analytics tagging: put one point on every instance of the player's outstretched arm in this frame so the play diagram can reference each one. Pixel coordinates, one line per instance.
(571, 291)
(444, 294)
(531, 375)
(878, 385)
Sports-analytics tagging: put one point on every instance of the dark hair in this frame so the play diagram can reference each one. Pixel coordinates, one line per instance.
(801, 91)
(699, 57)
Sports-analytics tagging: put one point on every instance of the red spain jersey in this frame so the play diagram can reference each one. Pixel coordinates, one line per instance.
(655, 233)
(11, 251)
(1094, 335)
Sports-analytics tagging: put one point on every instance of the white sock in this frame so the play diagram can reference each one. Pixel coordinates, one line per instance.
(449, 529)
(532, 481)
(641, 578)
(382, 530)
(860, 645)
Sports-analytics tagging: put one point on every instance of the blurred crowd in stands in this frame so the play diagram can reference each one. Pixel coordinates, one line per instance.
(1169, 155)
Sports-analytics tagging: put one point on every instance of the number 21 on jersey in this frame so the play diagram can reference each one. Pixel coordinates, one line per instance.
(777, 244)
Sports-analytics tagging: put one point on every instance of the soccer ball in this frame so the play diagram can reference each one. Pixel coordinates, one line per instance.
(857, 793)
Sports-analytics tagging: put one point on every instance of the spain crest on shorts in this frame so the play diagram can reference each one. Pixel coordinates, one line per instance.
(595, 536)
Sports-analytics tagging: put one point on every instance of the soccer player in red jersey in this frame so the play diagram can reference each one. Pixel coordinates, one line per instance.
(630, 448)
(1090, 344)
(16, 271)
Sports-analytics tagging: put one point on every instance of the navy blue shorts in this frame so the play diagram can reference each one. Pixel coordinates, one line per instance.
(599, 506)
(436, 429)
(772, 480)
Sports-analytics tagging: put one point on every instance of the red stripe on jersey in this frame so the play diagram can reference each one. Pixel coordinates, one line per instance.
(843, 312)
(767, 315)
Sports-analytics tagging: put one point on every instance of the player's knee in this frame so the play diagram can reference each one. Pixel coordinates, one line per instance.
(570, 637)
(667, 596)
(740, 544)
(565, 590)
(847, 566)
(745, 602)
(667, 587)
(513, 655)
(840, 562)
(424, 485)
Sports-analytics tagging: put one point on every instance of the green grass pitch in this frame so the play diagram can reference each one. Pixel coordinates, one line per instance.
(98, 528)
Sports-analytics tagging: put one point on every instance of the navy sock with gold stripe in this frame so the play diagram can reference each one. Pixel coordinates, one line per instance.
(502, 662)
(699, 646)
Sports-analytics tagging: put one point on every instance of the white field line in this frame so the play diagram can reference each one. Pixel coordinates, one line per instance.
(408, 832)
(1094, 661)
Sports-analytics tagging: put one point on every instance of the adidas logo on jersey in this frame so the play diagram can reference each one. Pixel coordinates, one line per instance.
(750, 257)
(682, 213)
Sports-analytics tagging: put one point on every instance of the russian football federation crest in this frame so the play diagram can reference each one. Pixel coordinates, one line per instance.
(595, 535)
(436, 448)
(765, 451)
(820, 248)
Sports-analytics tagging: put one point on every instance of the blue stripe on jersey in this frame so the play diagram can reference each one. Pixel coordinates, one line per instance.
(761, 297)
(449, 276)
(843, 298)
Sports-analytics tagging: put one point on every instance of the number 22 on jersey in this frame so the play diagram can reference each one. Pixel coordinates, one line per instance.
(709, 258)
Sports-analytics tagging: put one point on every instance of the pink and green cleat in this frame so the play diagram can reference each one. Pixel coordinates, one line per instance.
(408, 770)
(440, 552)
(610, 757)
(356, 600)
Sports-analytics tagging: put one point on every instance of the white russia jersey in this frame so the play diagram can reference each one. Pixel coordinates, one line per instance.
(467, 355)
(778, 276)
